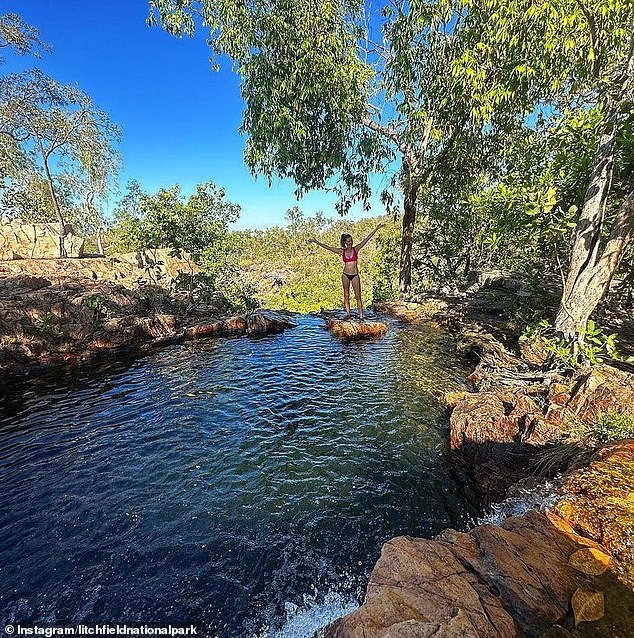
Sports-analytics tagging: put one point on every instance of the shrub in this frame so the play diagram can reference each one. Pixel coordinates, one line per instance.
(613, 426)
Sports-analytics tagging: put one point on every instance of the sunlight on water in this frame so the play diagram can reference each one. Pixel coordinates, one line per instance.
(244, 486)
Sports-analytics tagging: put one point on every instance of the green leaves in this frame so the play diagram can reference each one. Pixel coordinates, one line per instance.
(196, 224)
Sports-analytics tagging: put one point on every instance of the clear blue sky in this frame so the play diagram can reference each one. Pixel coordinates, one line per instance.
(179, 119)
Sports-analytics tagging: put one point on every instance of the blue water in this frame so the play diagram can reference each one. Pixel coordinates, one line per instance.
(241, 485)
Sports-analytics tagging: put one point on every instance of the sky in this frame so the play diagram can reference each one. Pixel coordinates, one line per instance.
(179, 119)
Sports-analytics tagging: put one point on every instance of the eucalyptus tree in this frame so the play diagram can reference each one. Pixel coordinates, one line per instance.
(336, 90)
(19, 36)
(58, 127)
(555, 54)
(92, 181)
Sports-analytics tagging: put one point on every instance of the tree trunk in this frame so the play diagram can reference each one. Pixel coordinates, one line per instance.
(574, 309)
(99, 241)
(61, 224)
(593, 283)
(409, 222)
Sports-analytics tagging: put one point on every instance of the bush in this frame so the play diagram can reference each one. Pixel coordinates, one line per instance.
(613, 426)
(593, 346)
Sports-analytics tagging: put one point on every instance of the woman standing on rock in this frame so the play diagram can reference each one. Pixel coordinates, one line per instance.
(350, 275)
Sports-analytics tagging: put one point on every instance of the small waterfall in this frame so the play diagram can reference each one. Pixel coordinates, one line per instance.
(541, 497)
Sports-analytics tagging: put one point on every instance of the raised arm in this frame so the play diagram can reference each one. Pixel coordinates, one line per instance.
(361, 244)
(332, 250)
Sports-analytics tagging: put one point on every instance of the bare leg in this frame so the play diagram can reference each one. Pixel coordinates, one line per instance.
(345, 282)
(356, 286)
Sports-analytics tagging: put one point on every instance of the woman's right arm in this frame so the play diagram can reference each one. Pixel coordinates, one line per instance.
(333, 250)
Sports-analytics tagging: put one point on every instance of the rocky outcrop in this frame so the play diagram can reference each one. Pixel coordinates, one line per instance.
(355, 329)
(529, 576)
(157, 267)
(598, 501)
(498, 434)
(260, 322)
(66, 310)
(411, 312)
(36, 241)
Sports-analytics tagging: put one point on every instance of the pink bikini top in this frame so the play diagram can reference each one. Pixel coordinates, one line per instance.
(347, 260)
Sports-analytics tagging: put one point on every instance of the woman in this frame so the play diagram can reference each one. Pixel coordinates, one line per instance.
(350, 275)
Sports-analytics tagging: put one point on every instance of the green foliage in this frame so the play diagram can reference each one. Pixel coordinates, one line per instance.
(47, 327)
(100, 305)
(613, 426)
(290, 273)
(195, 228)
(304, 83)
(168, 219)
(59, 151)
(592, 347)
(384, 266)
(19, 36)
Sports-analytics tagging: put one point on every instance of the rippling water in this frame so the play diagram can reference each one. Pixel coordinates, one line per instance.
(241, 485)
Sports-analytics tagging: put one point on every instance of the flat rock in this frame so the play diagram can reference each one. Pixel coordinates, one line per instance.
(355, 329)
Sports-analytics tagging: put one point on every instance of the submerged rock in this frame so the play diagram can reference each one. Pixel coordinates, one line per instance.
(355, 329)
(266, 321)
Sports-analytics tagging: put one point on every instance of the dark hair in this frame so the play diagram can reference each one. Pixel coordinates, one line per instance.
(344, 238)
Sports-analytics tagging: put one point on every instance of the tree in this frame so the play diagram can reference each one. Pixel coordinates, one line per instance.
(195, 227)
(49, 120)
(323, 99)
(23, 38)
(336, 90)
(554, 54)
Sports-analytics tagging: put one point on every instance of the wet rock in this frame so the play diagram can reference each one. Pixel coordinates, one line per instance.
(495, 434)
(235, 325)
(355, 329)
(598, 502)
(266, 321)
(420, 588)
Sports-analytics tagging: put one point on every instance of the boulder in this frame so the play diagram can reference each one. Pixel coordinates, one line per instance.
(158, 267)
(426, 307)
(522, 578)
(266, 321)
(36, 241)
(496, 434)
(355, 329)
(601, 390)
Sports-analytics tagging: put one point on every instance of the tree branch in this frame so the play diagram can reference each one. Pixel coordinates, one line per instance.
(391, 135)
(594, 37)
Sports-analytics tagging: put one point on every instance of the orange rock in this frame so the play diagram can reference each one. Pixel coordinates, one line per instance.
(590, 561)
(355, 329)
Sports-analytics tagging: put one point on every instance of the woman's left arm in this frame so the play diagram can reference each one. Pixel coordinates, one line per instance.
(369, 237)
